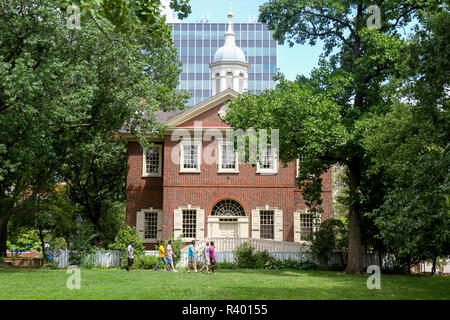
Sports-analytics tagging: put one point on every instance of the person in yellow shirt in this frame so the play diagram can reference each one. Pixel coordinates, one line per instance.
(161, 256)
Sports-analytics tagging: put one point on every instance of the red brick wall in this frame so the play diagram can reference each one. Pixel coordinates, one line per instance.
(204, 189)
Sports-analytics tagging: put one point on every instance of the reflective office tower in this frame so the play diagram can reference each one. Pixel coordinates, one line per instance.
(198, 42)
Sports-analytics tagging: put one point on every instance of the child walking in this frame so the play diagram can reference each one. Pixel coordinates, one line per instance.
(169, 254)
(206, 257)
(212, 256)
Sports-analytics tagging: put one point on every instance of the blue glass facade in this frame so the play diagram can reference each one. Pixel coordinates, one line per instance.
(198, 42)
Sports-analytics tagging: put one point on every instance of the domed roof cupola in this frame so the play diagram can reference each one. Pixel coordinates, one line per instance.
(229, 68)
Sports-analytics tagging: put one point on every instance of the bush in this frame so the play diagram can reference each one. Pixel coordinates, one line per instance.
(290, 264)
(123, 238)
(81, 245)
(331, 237)
(50, 266)
(142, 262)
(244, 256)
(261, 258)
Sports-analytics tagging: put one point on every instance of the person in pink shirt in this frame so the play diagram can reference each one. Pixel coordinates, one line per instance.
(212, 256)
(169, 254)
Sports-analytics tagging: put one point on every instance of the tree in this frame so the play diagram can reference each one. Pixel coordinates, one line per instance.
(348, 84)
(61, 88)
(95, 175)
(410, 145)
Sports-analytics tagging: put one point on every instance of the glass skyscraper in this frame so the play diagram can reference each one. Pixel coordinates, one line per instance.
(198, 42)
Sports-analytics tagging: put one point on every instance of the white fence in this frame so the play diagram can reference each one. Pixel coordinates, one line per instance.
(230, 244)
(112, 258)
(107, 259)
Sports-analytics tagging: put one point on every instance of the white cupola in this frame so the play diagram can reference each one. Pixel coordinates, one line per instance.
(229, 68)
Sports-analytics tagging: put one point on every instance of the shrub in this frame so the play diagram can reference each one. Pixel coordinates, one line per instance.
(81, 245)
(332, 236)
(290, 264)
(261, 258)
(50, 266)
(125, 235)
(244, 257)
(141, 262)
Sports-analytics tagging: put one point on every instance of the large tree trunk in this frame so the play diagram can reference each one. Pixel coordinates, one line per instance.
(354, 248)
(3, 234)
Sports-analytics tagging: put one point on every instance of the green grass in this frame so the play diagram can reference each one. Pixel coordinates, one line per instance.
(225, 284)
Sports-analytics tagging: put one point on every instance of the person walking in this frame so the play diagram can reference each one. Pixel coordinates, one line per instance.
(206, 257)
(130, 255)
(212, 256)
(161, 256)
(169, 254)
(192, 255)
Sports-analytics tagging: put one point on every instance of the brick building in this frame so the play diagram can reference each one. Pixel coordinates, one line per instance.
(191, 181)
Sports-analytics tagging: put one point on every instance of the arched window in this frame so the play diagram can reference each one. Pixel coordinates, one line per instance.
(229, 80)
(217, 83)
(241, 83)
(228, 207)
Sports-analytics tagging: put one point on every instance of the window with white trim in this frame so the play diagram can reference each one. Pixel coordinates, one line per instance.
(268, 163)
(190, 158)
(149, 224)
(228, 158)
(190, 223)
(267, 224)
(152, 159)
(306, 226)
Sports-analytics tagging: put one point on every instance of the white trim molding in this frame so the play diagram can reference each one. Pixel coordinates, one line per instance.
(220, 146)
(178, 222)
(277, 222)
(198, 144)
(146, 174)
(274, 164)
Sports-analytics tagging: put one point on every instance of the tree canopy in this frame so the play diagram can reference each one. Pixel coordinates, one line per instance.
(348, 85)
(61, 88)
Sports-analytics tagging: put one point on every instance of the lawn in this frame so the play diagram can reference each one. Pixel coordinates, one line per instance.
(225, 284)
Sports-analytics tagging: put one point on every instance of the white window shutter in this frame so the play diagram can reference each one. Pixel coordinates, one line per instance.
(140, 223)
(297, 226)
(177, 222)
(159, 218)
(200, 224)
(278, 225)
(256, 224)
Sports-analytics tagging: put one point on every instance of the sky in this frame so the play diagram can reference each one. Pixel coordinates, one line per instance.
(300, 59)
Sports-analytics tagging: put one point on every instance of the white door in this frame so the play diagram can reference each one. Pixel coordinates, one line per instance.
(228, 230)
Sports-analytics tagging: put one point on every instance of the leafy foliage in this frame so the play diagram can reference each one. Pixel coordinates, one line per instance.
(244, 256)
(81, 245)
(125, 235)
(290, 264)
(63, 92)
(331, 237)
(177, 245)
(324, 118)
